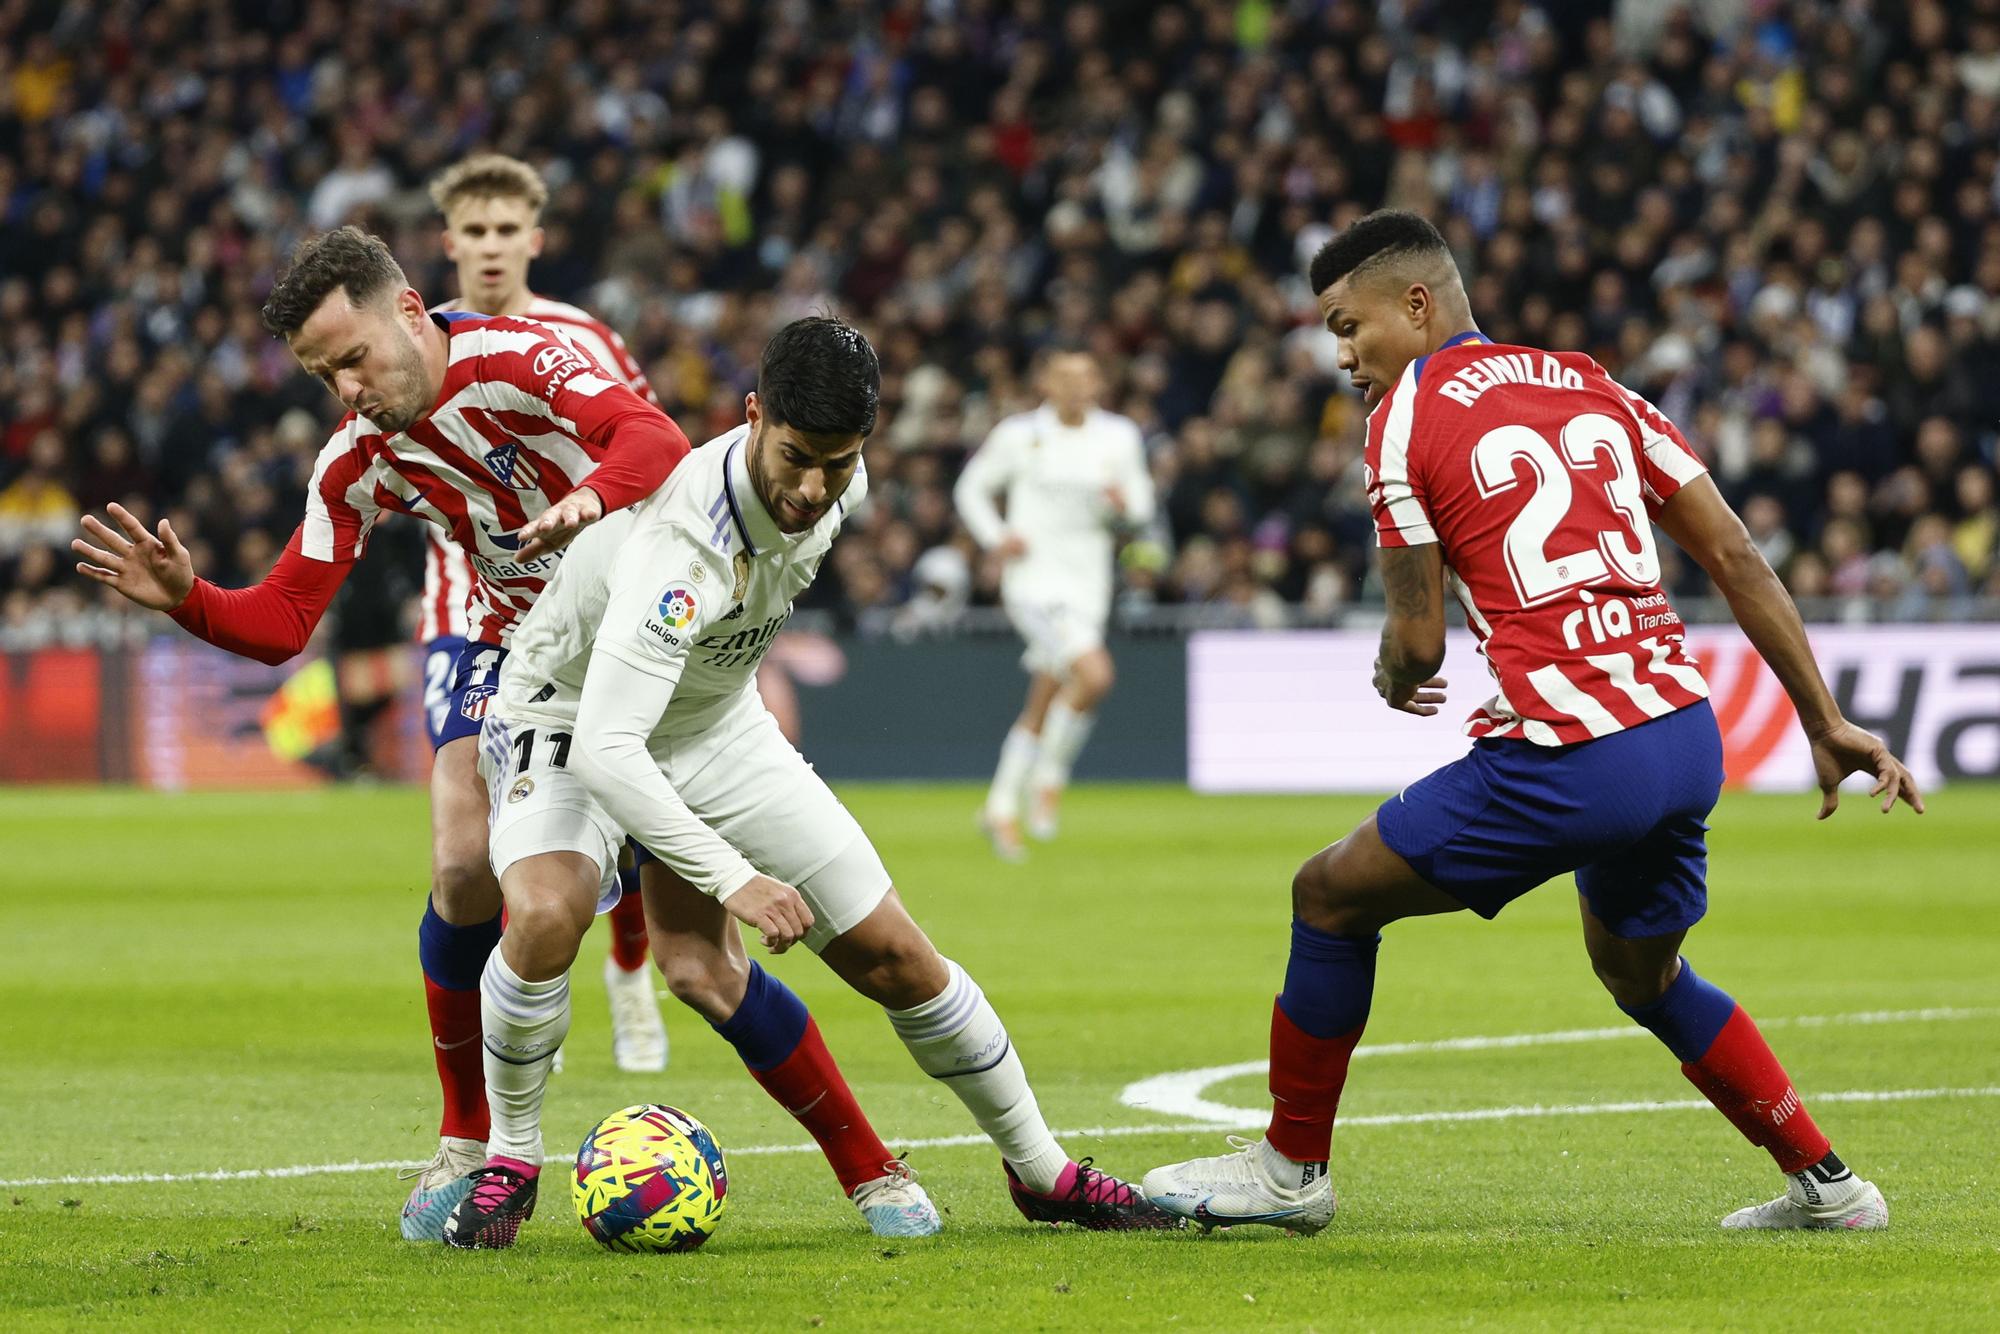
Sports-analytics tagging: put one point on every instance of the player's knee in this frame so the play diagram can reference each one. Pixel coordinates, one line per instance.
(902, 972)
(1093, 678)
(463, 887)
(1634, 982)
(543, 933)
(1320, 900)
(706, 981)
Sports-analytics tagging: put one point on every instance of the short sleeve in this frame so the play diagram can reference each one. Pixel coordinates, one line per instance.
(1395, 485)
(1667, 462)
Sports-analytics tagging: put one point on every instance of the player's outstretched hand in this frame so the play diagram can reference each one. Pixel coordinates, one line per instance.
(1845, 749)
(152, 570)
(559, 523)
(775, 909)
(1421, 699)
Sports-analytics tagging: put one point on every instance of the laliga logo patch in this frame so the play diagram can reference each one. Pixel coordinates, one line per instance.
(676, 614)
(677, 606)
(473, 703)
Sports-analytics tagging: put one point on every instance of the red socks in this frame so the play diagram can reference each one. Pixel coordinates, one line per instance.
(628, 933)
(810, 1086)
(455, 1040)
(1741, 1076)
(1307, 1074)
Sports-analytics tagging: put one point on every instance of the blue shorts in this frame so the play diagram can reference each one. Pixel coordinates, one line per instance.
(460, 678)
(1626, 812)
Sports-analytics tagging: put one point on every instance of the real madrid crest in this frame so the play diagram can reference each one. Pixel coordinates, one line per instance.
(742, 567)
(522, 787)
(697, 571)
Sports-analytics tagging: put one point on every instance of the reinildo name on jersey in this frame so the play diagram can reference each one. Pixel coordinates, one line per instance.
(1476, 377)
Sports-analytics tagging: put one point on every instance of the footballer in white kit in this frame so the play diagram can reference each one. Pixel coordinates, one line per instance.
(1073, 477)
(629, 707)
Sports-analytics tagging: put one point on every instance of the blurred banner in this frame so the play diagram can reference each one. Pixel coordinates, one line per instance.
(1294, 712)
(1227, 711)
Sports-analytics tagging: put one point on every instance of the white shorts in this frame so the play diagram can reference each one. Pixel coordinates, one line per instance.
(742, 779)
(542, 807)
(1058, 629)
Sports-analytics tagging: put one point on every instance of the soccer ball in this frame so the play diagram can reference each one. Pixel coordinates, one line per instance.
(650, 1178)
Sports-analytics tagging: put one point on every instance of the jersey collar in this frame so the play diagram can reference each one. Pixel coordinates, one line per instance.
(759, 530)
(1469, 336)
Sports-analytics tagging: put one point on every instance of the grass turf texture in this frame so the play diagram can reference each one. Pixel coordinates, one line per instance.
(206, 982)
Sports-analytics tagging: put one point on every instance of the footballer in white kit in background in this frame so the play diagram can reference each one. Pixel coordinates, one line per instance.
(492, 209)
(1073, 476)
(629, 706)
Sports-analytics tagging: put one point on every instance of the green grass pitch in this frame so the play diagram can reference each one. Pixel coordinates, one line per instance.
(226, 983)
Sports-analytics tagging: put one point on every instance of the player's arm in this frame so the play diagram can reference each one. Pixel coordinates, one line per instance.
(1413, 635)
(1697, 517)
(1132, 490)
(640, 443)
(269, 621)
(979, 487)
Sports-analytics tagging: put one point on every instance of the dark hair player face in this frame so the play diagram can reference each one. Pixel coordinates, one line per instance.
(814, 405)
(797, 476)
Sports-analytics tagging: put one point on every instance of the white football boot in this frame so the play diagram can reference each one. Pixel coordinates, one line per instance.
(638, 1036)
(895, 1205)
(1004, 833)
(1044, 813)
(1847, 1205)
(1234, 1188)
(441, 1184)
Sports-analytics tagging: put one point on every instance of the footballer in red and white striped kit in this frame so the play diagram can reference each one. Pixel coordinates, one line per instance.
(492, 207)
(507, 438)
(1527, 483)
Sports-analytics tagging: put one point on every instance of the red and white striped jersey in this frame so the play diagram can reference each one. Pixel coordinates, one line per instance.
(521, 417)
(448, 578)
(1539, 475)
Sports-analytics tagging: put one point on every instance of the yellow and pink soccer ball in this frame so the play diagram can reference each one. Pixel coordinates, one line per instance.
(650, 1178)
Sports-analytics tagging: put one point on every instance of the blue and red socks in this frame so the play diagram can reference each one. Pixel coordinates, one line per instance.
(778, 1040)
(1722, 1054)
(453, 958)
(628, 924)
(1315, 1025)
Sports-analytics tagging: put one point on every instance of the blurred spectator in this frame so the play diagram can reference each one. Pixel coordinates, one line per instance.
(1781, 222)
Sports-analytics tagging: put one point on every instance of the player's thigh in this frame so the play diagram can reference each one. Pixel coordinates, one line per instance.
(462, 884)
(538, 807)
(1042, 690)
(1359, 885)
(748, 784)
(696, 944)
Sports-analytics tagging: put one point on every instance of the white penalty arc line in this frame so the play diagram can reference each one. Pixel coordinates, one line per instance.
(1245, 1121)
(1180, 1092)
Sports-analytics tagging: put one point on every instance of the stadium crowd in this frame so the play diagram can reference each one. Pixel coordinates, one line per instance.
(1781, 221)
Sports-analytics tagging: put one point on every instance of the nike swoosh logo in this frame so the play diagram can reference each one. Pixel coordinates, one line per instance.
(442, 1045)
(1203, 1211)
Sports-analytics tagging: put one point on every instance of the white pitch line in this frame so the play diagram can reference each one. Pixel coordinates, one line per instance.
(1245, 1121)
(1180, 1092)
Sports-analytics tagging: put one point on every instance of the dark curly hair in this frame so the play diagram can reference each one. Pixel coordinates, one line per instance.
(346, 258)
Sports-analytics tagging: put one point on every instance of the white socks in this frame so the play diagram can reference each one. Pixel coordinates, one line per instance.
(956, 1037)
(525, 1022)
(1063, 733)
(1017, 756)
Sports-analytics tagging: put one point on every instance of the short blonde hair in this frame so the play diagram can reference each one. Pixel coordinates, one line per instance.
(489, 176)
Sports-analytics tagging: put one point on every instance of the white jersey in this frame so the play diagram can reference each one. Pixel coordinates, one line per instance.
(1056, 480)
(684, 593)
(449, 581)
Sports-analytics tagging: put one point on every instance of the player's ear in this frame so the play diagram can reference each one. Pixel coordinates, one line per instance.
(753, 411)
(410, 305)
(450, 244)
(535, 239)
(1417, 304)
